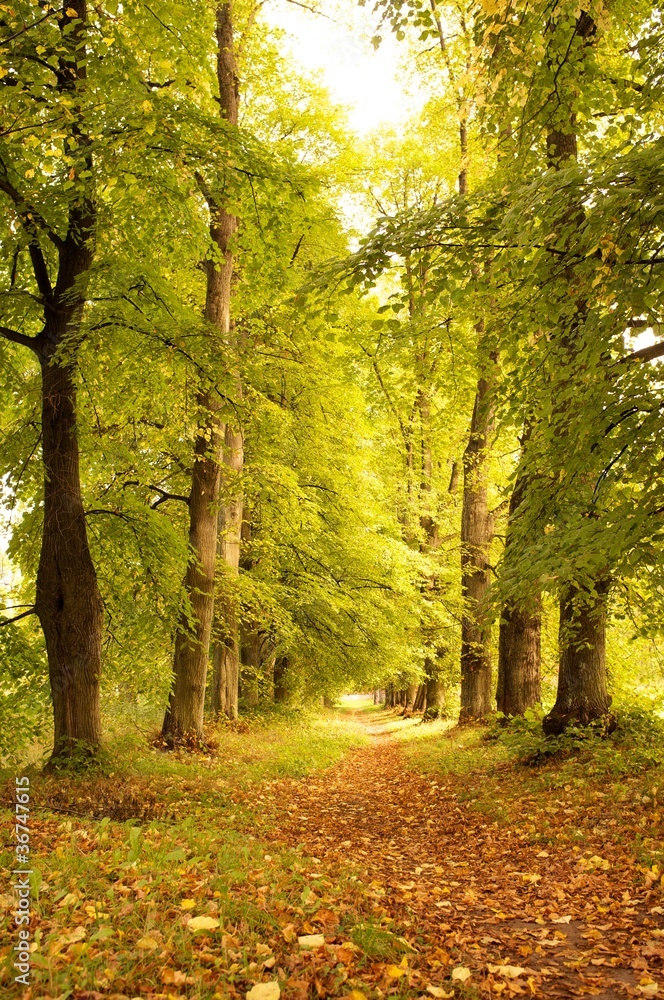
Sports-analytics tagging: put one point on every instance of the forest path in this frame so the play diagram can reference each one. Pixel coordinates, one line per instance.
(470, 894)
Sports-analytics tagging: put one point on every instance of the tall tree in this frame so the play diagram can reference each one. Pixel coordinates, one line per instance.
(184, 715)
(68, 602)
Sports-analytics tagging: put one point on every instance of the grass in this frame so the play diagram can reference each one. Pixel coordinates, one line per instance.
(124, 857)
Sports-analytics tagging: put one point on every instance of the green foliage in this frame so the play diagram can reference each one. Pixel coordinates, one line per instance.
(636, 745)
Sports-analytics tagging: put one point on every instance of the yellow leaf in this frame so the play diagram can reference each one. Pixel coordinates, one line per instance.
(461, 973)
(355, 995)
(394, 971)
(508, 971)
(173, 977)
(187, 904)
(70, 12)
(264, 991)
(311, 940)
(202, 923)
(147, 943)
(439, 993)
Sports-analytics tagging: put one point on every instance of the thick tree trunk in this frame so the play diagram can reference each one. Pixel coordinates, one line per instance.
(519, 657)
(435, 700)
(582, 696)
(280, 682)
(476, 536)
(68, 602)
(519, 646)
(582, 692)
(184, 715)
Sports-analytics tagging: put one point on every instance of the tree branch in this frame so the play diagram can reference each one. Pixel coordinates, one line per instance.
(166, 496)
(23, 614)
(19, 338)
(646, 353)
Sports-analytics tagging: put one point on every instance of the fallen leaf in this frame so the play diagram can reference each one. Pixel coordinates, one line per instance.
(173, 977)
(561, 920)
(187, 904)
(508, 971)
(311, 940)
(264, 991)
(147, 943)
(439, 993)
(461, 973)
(202, 923)
(395, 971)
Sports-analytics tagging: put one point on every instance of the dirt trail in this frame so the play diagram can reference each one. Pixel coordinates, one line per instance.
(467, 891)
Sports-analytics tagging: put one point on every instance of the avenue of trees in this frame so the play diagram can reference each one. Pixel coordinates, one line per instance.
(250, 453)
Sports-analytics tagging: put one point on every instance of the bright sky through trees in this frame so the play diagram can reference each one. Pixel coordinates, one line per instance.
(337, 43)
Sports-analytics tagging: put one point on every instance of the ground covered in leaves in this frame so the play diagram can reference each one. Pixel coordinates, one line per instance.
(358, 855)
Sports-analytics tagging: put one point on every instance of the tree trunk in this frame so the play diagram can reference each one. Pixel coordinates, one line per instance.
(476, 536)
(226, 650)
(68, 601)
(184, 715)
(582, 692)
(251, 658)
(435, 698)
(519, 646)
(420, 699)
(280, 673)
(582, 695)
(410, 695)
(519, 657)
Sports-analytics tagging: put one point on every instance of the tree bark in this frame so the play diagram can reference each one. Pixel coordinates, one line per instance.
(251, 658)
(410, 695)
(184, 715)
(435, 700)
(68, 601)
(582, 696)
(519, 645)
(476, 536)
(420, 699)
(280, 684)
(226, 650)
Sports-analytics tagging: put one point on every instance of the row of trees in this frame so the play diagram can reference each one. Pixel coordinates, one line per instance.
(552, 255)
(247, 483)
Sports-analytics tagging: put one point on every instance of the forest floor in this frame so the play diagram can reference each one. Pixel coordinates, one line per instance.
(356, 855)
